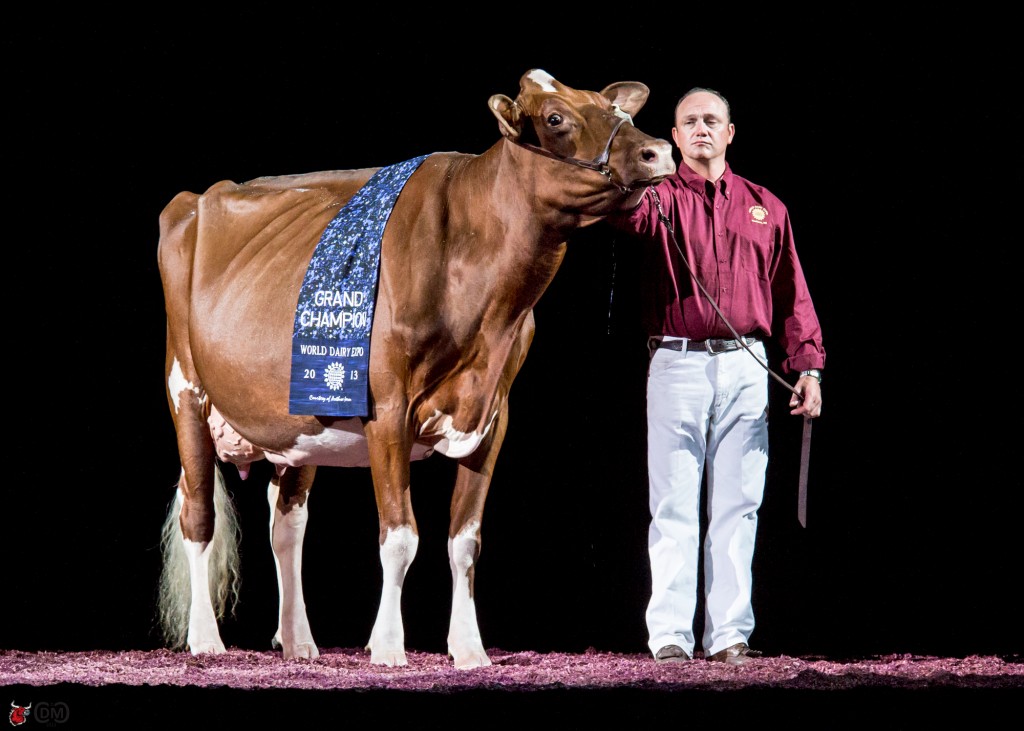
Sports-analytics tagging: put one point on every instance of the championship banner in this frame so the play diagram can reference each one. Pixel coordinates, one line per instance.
(334, 315)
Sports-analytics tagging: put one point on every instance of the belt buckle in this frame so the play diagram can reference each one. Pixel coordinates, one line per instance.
(711, 350)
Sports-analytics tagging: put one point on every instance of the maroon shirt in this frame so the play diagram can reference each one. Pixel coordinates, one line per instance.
(738, 239)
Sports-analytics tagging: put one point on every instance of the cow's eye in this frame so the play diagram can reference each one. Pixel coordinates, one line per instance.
(554, 120)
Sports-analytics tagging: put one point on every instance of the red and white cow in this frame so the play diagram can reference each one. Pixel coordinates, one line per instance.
(470, 247)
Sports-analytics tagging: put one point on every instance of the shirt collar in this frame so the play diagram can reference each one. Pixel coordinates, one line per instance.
(696, 181)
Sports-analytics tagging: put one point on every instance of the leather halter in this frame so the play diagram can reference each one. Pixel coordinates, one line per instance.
(598, 164)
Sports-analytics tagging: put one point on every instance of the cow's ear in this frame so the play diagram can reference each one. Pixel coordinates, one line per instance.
(507, 113)
(630, 96)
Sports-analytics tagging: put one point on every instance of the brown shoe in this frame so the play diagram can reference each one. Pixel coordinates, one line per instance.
(738, 654)
(671, 653)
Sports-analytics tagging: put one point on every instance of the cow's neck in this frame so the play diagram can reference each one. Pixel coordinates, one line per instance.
(525, 206)
(565, 197)
(508, 215)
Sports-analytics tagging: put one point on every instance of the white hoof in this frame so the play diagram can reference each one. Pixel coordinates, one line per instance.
(467, 660)
(302, 651)
(391, 658)
(211, 647)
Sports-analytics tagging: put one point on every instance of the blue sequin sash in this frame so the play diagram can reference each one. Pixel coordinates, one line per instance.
(331, 336)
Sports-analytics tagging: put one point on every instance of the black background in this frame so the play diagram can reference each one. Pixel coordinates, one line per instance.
(895, 148)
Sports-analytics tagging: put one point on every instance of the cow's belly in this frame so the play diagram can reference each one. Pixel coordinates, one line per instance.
(342, 444)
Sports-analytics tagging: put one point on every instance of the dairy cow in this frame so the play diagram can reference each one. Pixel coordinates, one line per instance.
(469, 247)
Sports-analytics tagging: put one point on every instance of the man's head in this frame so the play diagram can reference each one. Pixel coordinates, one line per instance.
(703, 129)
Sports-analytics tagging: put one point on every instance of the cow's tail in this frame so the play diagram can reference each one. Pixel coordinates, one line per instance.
(175, 593)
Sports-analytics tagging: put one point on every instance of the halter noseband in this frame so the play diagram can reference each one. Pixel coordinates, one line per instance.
(598, 164)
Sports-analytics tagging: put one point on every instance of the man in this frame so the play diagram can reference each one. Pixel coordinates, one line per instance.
(707, 397)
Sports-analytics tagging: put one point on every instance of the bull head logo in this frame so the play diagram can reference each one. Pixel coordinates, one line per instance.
(18, 713)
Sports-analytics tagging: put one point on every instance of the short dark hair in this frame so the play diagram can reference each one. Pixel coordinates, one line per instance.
(694, 90)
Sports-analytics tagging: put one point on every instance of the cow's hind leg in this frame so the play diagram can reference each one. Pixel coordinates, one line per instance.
(399, 539)
(465, 645)
(200, 536)
(288, 495)
(200, 574)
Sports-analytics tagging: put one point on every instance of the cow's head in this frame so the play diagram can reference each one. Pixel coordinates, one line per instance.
(585, 128)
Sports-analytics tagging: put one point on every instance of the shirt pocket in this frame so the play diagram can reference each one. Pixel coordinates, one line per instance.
(756, 249)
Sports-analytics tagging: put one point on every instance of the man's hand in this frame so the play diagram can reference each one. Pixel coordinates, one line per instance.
(634, 199)
(809, 401)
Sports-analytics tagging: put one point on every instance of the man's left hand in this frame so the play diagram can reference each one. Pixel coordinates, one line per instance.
(809, 401)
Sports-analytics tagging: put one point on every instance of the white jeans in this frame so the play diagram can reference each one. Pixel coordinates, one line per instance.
(704, 410)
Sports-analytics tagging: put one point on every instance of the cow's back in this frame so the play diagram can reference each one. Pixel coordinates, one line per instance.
(232, 262)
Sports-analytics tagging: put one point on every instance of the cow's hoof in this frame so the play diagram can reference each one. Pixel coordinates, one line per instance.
(470, 660)
(207, 648)
(302, 651)
(391, 658)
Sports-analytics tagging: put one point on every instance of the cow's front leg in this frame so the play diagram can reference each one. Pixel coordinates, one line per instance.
(288, 496)
(399, 538)
(474, 478)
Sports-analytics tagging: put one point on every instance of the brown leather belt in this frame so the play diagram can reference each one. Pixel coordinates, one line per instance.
(714, 346)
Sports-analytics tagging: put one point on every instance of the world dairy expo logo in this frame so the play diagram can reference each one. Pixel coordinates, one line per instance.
(334, 376)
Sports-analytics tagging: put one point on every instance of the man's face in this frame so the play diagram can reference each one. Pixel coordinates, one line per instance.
(703, 129)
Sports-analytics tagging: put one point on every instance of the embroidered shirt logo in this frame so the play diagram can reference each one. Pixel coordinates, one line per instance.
(759, 214)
